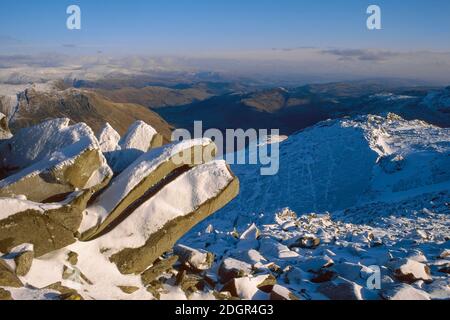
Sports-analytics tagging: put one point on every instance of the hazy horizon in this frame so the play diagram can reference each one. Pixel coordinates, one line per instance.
(291, 39)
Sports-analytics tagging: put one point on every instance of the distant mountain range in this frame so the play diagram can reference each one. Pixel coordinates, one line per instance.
(170, 104)
(294, 109)
(37, 103)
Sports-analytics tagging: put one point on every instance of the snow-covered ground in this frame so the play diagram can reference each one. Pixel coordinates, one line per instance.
(359, 210)
(373, 190)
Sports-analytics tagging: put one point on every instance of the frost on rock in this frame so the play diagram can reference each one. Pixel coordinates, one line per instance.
(36, 143)
(195, 259)
(108, 139)
(410, 271)
(403, 292)
(134, 220)
(70, 159)
(48, 227)
(146, 172)
(338, 164)
(139, 139)
(158, 223)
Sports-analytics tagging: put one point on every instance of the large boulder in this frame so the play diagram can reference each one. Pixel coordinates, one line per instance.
(108, 139)
(47, 227)
(156, 225)
(410, 271)
(197, 260)
(139, 139)
(341, 289)
(147, 172)
(281, 293)
(248, 288)
(70, 159)
(22, 258)
(402, 291)
(7, 276)
(38, 142)
(231, 268)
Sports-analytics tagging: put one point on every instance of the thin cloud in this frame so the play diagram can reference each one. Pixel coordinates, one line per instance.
(360, 54)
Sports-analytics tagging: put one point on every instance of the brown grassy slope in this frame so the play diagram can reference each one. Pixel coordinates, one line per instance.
(156, 97)
(84, 106)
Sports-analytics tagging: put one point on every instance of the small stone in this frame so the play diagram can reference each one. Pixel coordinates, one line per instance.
(128, 289)
(231, 268)
(252, 233)
(268, 284)
(306, 242)
(347, 270)
(445, 254)
(223, 295)
(72, 258)
(75, 275)
(285, 215)
(189, 283)
(315, 264)
(422, 234)
(65, 291)
(199, 260)
(281, 293)
(24, 261)
(324, 276)
(245, 288)
(155, 288)
(71, 297)
(158, 268)
(5, 295)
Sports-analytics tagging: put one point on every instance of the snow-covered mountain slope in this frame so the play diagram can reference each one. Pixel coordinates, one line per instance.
(341, 163)
(385, 182)
(438, 100)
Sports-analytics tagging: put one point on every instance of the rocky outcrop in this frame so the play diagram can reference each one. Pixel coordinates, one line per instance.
(152, 230)
(69, 159)
(59, 202)
(108, 139)
(146, 173)
(48, 227)
(139, 139)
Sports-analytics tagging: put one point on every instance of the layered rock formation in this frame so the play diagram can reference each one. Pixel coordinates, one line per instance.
(66, 222)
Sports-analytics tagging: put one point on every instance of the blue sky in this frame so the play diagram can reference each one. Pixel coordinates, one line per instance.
(189, 26)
